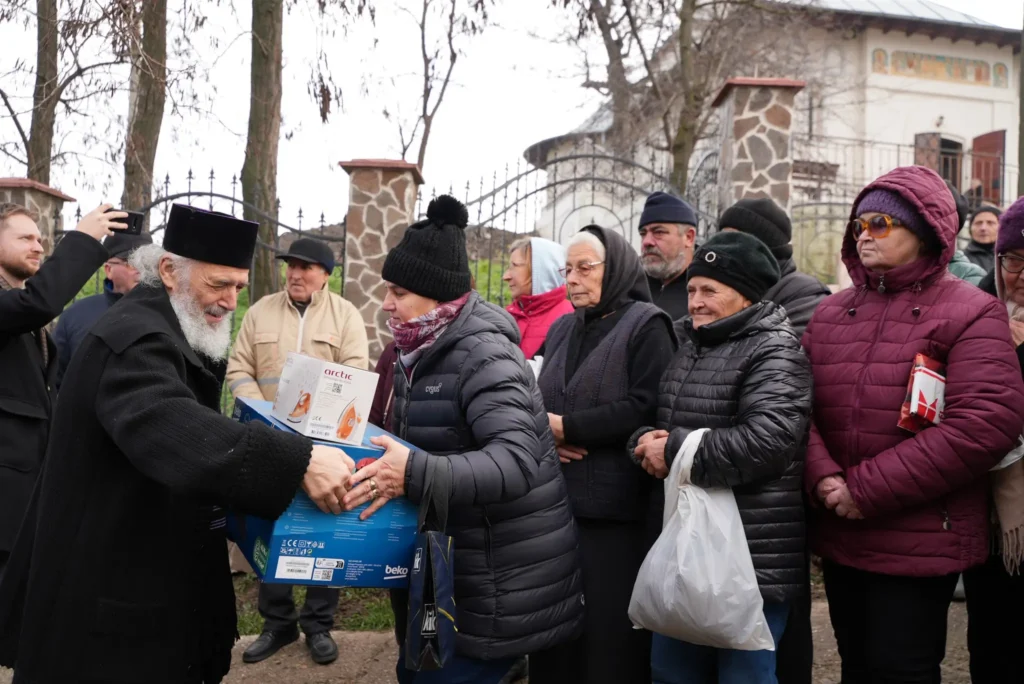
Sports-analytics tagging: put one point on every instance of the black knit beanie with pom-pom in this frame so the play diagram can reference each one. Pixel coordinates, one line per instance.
(431, 259)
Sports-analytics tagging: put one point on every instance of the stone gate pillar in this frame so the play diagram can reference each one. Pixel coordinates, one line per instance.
(47, 202)
(756, 115)
(382, 204)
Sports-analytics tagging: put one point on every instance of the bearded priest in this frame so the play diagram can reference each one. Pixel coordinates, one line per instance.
(120, 572)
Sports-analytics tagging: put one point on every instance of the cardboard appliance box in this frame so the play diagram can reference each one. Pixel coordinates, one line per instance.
(324, 400)
(309, 547)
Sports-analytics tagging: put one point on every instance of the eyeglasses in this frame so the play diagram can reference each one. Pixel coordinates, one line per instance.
(878, 227)
(1011, 263)
(584, 269)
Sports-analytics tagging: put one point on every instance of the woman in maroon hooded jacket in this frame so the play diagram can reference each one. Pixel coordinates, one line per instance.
(900, 514)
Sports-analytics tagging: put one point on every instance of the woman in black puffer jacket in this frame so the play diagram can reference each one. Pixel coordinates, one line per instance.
(464, 393)
(740, 372)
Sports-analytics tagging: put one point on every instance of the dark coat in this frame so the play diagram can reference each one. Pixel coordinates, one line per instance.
(798, 293)
(472, 399)
(672, 298)
(26, 382)
(381, 410)
(76, 321)
(746, 378)
(121, 573)
(981, 255)
(924, 496)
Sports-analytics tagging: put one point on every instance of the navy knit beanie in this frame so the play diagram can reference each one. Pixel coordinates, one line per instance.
(662, 207)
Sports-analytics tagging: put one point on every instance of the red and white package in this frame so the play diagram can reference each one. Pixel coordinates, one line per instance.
(926, 395)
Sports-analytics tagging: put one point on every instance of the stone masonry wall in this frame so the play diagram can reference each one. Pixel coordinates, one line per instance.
(382, 202)
(757, 116)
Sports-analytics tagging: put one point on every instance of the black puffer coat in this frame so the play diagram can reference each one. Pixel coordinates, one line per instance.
(798, 293)
(473, 400)
(747, 378)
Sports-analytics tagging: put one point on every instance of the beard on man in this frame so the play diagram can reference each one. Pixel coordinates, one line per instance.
(120, 572)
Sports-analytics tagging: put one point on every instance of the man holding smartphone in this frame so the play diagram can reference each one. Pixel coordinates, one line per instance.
(32, 294)
(79, 318)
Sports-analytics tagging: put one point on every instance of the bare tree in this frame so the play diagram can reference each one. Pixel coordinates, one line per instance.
(259, 172)
(78, 46)
(146, 105)
(439, 53)
(667, 58)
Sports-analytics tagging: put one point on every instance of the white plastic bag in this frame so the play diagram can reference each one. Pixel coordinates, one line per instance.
(697, 583)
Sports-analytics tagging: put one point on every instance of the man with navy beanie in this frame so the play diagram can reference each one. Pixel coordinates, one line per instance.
(668, 231)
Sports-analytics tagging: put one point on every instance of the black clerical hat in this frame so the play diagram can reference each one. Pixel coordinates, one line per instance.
(210, 236)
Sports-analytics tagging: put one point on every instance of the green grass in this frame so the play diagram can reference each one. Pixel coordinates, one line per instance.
(359, 610)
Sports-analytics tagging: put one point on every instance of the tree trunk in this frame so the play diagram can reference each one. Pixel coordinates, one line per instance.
(146, 108)
(259, 172)
(689, 114)
(46, 94)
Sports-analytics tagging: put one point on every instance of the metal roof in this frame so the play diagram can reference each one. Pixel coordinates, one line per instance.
(919, 10)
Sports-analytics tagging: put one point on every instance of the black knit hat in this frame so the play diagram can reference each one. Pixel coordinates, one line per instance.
(763, 219)
(662, 207)
(738, 260)
(431, 259)
(986, 209)
(963, 209)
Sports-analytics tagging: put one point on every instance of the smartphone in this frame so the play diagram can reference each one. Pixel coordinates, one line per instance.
(135, 220)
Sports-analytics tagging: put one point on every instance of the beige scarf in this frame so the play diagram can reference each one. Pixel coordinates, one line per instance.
(1007, 481)
(1008, 495)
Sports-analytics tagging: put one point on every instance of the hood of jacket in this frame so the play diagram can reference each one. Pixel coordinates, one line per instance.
(546, 261)
(924, 190)
(624, 278)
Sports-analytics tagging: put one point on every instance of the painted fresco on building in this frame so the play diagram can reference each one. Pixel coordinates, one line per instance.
(941, 68)
(1000, 75)
(880, 61)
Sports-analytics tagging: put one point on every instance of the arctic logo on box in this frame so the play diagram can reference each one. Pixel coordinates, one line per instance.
(331, 373)
(395, 572)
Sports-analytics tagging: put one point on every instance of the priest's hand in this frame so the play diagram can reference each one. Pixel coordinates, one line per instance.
(381, 481)
(327, 477)
(98, 224)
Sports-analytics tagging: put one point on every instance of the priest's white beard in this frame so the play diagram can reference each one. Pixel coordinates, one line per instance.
(211, 341)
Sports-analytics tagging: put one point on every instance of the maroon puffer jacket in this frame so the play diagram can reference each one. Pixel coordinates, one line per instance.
(924, 496)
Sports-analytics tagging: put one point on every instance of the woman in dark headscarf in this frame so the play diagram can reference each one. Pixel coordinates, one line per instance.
(600, 382)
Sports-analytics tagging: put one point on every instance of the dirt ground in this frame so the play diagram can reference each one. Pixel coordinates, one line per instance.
(369, 657)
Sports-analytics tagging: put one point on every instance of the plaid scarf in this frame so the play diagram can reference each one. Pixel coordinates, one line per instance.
(40, 334)
(415, 336)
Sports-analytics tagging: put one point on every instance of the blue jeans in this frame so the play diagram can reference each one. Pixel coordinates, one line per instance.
(680, 662)
(458, 671)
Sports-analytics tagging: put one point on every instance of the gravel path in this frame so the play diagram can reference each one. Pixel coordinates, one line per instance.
(369, 657)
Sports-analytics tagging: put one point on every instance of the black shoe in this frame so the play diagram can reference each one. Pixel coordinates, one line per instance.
(322, 647)
(520, 671)
(268, 644)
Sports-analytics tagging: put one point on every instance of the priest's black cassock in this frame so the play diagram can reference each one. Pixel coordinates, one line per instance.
(120, 572)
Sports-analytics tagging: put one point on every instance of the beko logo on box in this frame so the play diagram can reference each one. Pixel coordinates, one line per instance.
(395, 572)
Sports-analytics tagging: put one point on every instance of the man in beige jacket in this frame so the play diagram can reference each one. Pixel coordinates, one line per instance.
(309, 319)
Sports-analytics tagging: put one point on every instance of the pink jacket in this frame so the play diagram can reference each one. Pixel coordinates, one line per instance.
(535, 314)
(924, 496)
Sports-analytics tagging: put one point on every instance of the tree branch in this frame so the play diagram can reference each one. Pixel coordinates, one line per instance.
(17, 123)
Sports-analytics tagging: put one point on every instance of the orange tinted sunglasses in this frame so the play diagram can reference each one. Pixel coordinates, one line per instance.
(877, 227)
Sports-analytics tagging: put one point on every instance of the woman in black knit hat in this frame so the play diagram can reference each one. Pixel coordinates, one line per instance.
(741, 373)
(465, 397)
